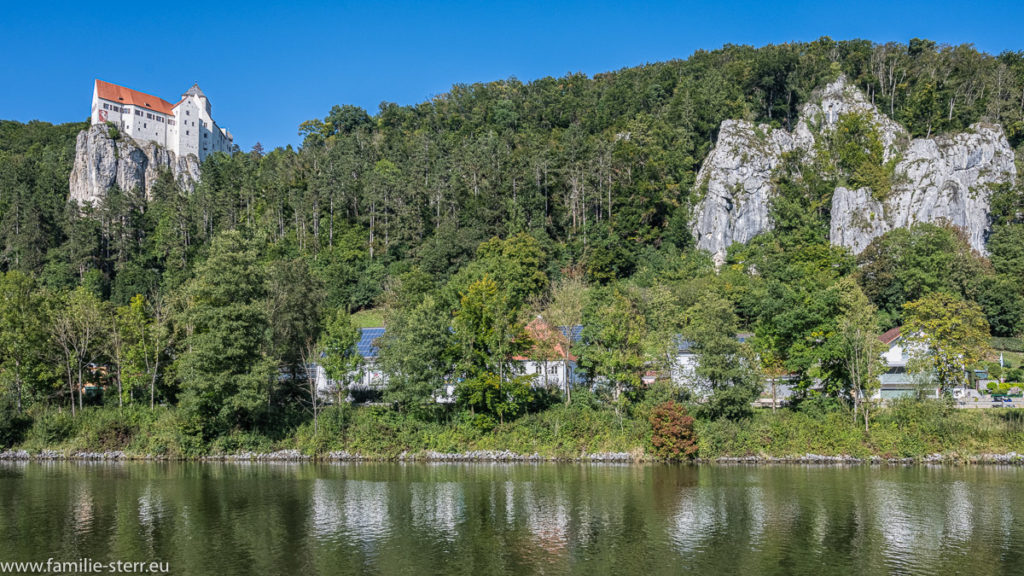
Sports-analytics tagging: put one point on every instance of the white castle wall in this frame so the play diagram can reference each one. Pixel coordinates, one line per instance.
(191, 130)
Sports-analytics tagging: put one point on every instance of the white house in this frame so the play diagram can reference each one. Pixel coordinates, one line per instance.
(547, 362)
(183, 128)
(369, 379)
(684, 366)
(896, 382)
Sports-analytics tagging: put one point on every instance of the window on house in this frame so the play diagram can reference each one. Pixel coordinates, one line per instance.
(138, 112)
(186, 132)
(187, 113)
(143, 124)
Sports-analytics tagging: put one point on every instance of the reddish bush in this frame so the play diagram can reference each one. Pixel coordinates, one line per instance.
(672, 435)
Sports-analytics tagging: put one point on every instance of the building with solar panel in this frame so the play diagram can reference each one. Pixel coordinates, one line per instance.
(368, 380)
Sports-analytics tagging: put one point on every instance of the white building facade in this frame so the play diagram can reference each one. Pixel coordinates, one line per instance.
(183, 128)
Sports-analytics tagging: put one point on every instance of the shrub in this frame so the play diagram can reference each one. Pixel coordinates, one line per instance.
(672, 435)
(12, 428)
(50, 429)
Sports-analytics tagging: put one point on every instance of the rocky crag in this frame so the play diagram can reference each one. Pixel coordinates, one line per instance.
(943, 178)
(104, 159)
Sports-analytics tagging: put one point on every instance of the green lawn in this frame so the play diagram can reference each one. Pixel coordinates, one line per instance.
(372, 318)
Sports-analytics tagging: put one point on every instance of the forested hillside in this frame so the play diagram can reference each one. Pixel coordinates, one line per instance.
(464, 217)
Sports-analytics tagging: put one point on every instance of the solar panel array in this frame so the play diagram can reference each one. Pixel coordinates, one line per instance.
(571, 332)
(367, 345)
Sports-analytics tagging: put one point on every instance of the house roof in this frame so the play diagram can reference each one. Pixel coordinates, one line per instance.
(367, 345)
(890, 335)
(573, 333)
(541, 332)
(193, 91)
(122, 95)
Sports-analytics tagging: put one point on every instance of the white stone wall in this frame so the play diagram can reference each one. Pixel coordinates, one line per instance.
(149, 126)
(211, 137)
(187, 123)
(557, 375)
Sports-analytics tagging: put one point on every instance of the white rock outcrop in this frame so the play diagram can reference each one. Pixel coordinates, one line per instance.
(102, 162)
(736, 179)
(939, 179)
(942, 179)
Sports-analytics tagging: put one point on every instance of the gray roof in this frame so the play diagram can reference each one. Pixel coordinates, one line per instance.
(194, 91)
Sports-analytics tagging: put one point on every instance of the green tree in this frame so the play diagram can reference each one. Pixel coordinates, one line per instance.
(614, 336)
(857, 349)
(80, 328)
(725, 366)
(294, 308)
(487, 331)
(946, 335)
(140, 339)
(904, 265)
(487, 394)
(23, 336)
(416, 354)
(341, 360)
(565, 310)
(223, 365)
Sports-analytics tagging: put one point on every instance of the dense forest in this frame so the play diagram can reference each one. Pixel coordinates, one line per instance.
(458, 220)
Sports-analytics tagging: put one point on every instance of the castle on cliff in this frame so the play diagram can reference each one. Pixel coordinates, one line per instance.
(183, 128)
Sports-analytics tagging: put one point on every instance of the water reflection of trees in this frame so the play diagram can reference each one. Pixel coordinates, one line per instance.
(518, 519)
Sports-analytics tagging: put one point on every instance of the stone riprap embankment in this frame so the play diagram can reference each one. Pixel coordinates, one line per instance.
(1010, 458)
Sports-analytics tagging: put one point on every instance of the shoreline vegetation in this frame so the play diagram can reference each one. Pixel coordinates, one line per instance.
(905, 432)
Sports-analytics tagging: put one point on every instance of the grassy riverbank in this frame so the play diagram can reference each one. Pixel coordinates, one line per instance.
(905, 430)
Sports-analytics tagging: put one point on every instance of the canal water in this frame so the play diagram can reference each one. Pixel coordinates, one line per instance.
(223, 519)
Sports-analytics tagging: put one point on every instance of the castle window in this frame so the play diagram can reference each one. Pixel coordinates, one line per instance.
(186, 132)
(143, 124)
(138, 112)
(187, 113)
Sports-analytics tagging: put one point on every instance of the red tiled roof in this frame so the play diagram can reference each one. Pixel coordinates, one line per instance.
(890, 335)
(122, 95)
(541, 331)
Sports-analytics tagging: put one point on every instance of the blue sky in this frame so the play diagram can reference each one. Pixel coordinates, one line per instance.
(268, 66)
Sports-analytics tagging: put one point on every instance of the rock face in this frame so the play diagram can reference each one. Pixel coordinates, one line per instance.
(945, 178)
(101, 162)
(938, 179)
(736, 177)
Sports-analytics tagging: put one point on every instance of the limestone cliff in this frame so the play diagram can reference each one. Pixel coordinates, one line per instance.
(944, 178)
(102, 161)
(938, 179)
(736, 182)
